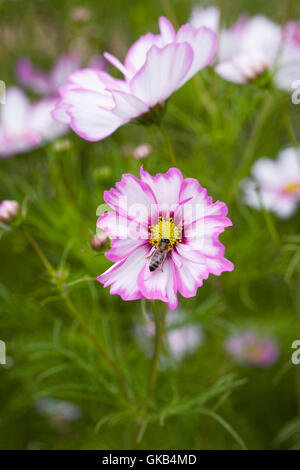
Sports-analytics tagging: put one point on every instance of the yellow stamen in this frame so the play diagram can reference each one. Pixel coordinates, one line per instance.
(292, 188)
(165, 229)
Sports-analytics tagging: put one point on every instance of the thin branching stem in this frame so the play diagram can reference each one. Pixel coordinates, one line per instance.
(72, 309)
(160, 319)
(168, 143)
(250, 147)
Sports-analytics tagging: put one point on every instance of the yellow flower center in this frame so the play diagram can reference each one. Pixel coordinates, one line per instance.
(165, 229)
(292, 188)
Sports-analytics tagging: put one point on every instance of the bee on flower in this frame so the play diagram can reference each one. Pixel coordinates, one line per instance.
(167, 217)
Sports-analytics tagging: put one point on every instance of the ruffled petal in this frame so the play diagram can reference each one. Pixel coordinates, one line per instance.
(136, 55)
(204, 45)
(166, 186)
(87, 118)
(121, 248)
(162, 73)
(189, 275)
(159, 284)
(123, 276)
(132, 198)
(116, 226)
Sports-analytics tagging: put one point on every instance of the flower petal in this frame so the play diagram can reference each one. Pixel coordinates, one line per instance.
(132, 198)
(162, 73)
(204, 45)
(122, 276)
(165, 186)
(189, 276)
(122, 248)
(159, 284)
(116, 226)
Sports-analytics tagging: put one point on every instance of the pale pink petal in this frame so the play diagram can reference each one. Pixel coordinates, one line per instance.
(230, 72)
(159, 284)
(166, 187)
(42, 122)
(87, 116)
(208, 17)
(162, 73)
(13, 113)
(65, 65)
(117, 226)
(167, 31)
(189, 276)
(33, 78)
(204, 45)
(265, 172)
(128, 106)
(122, 248)
(132, 198)
(123, 276)
(136, 55)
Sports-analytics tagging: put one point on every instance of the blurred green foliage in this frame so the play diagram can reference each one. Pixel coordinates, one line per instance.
(207, 401)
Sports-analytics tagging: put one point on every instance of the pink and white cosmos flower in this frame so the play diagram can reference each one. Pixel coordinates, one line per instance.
(48, 83)
(150, 209)
(95, 104)
(25, 126)
(253, 46)
(249, 349)
(44, 83)
(275, 184)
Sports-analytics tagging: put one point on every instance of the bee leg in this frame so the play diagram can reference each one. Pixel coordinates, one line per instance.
(162, 264)
(151, 253)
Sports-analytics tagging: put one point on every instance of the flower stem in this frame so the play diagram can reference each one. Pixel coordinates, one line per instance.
(288, 124)
(160, 318)
(168, 143)
(72, 309)
(252, 142)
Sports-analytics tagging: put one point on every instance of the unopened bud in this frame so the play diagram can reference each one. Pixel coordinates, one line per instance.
(8, 210)
(98, 241)
(142, 151)
(80, 14)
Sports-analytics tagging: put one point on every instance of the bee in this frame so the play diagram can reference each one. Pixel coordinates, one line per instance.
(160, 253)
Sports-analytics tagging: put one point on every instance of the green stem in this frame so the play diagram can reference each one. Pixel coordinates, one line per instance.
(288, 123)
(72, 309)
(252, 143)
(169, 144)
(160, 318)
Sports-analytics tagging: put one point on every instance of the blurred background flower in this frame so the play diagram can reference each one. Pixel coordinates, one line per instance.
(250, 349)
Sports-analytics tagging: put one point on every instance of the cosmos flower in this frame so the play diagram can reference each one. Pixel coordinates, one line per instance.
(163, 211)
(95, 104)
(8, 210)
(181, 339)
(253, 46)
(44, 83)
(275, 184)
(249, 349)
(25, 126)
(48, 83)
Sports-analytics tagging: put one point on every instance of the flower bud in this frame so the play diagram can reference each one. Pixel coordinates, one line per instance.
(142, 151)
(98, 241)
(8, 210)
